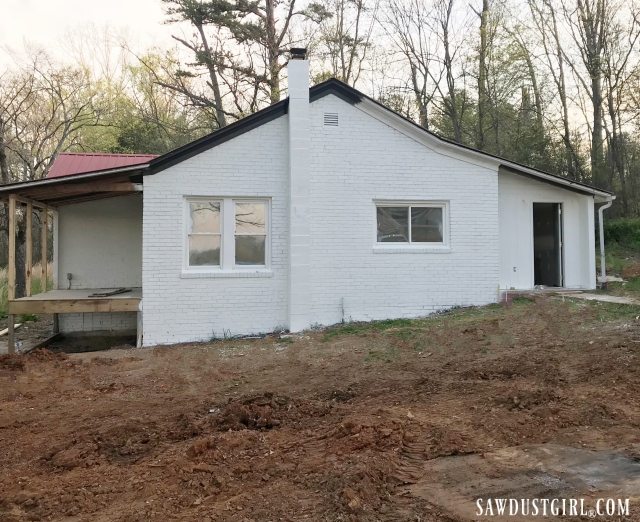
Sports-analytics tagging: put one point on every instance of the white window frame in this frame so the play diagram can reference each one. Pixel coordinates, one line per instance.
(267, 233)
(227, 265)
(187, 233)
(442, 246)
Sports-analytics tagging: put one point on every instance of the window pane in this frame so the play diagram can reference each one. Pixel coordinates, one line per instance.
(426, 225)
(205, 217)
(204, 250)
(250, 250)
(251, 217)
(393, 224)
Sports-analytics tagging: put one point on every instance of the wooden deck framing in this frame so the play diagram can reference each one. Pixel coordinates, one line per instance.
(44, 210)
(76, 301)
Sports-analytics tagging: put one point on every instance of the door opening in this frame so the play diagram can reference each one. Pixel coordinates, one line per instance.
(547, 244)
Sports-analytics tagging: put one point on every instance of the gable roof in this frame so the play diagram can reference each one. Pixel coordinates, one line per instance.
(348, 94)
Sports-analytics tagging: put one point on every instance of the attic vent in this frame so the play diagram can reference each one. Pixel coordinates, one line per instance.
(331, 119)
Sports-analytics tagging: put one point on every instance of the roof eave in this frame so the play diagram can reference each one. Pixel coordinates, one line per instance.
(487, 158)
(14, 188)
(569, 184)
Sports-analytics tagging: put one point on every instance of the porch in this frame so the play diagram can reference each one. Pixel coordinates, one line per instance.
(91, 231)
(78, 301)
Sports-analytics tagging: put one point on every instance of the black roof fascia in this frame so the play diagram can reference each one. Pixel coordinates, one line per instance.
(217, 137)
(248, 123)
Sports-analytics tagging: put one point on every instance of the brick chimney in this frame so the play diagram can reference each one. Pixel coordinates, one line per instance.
(299, 235)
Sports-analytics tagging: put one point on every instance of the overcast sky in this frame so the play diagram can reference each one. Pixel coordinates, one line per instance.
(47, 24)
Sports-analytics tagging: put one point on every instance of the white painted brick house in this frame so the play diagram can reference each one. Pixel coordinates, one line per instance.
(322, 208)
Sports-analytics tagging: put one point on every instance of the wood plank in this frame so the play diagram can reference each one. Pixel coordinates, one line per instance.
(71, 200)
(26, 201)
(139, 329)
(80, 188)
(28, 262)
(11, 339)
(44, 236)
(44, 342)
(68, 306)
(11, 276)
(109, 293)
(6, 330)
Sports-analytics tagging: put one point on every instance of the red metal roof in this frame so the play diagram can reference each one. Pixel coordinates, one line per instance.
(70, 163)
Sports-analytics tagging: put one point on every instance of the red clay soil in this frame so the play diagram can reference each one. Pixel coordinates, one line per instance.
(332, 425)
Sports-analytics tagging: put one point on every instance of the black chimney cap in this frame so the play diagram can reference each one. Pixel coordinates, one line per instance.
(298, 53)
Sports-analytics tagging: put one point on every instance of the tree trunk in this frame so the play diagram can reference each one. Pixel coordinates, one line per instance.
(597, 149)
(451, 106)
(4, 167)
(213, 78)
(616, 150)
(273, 52)
(421, 100)
(571, 159)
(482, 74)
(21, 235)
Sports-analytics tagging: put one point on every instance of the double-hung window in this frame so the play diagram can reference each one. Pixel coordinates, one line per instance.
(423, 223)
(250, 233)
(205, 233)
(227, 234)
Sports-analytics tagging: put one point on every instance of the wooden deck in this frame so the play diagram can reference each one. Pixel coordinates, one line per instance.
(76, 301)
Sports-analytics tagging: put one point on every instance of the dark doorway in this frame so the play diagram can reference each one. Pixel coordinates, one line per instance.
(547, 244)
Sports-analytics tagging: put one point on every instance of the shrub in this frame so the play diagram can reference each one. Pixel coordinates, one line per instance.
(624, 231)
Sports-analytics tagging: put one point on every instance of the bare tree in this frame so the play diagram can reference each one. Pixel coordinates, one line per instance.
(544, 17)
(408, 26)
(589, 22)
(619, 71)
(42, 108)
(345, 38)
(242, 47)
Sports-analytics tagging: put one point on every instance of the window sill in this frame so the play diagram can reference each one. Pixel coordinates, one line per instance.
(225, 274)
(411, 249)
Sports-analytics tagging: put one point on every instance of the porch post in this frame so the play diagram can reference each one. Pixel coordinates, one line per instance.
(29, 252)
(11, 275)
(44, 219)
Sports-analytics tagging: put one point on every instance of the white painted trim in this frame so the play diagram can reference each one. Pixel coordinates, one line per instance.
(532, 242)
(592, 242)
(413, 247)
(186, 216)
(227, 267)
(267, 234)
(222, 274)
(416, 248)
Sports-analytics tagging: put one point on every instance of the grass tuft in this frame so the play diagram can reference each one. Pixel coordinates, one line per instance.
(364, 328)
(36, 284)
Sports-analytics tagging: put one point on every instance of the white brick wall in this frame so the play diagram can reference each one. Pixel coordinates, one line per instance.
(177, 308)
(351, 165)
(362, 160)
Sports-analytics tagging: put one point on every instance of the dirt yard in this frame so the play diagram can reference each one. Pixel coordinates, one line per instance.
(334, 425)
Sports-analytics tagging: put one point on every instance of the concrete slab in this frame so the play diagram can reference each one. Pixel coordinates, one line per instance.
(546, 471)
(604, 298)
